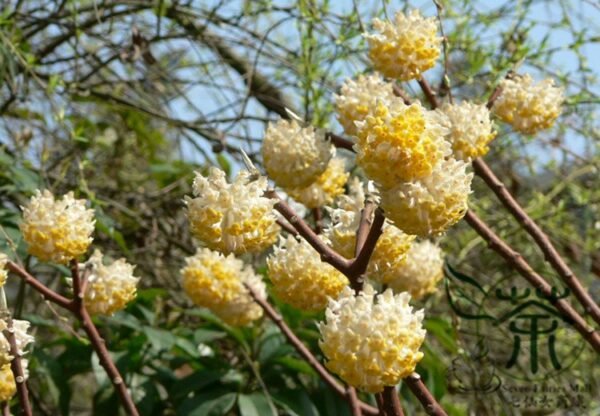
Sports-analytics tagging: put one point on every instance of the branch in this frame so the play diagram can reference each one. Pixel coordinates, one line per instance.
(17, 368)
(550, 253)
(358, 267)
(516, 260)
(390, 402)
(305, 352)
(429, 93)
(416, 386)
(46, 292)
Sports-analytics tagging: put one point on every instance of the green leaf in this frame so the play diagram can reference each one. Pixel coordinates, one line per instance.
(296, 402)
(212, 403)
(255, 404)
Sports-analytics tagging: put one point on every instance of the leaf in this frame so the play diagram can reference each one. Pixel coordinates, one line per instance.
(296, 402)
(159, 339)
(212, 403)
(255, 404)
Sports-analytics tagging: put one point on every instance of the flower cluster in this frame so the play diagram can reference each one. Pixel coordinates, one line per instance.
(526, 106)
(57, 230)
(421, 271)
(3, 272)
(400, 143)
(109, 288)
(325, 188)
(8, 387)
(405, 48)
(232, 218)
(299, 276)
(295, 156)
(359, 98)
(216, 282)
(471, 129)
(431, 205)
(371, 341)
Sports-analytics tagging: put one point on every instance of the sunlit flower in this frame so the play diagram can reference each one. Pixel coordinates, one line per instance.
(359, 98)
(471, 129)
(421, 272)
(429, 206)
(299, 276)
(405, 48)
(3, 271)
(57, 230)
(8, 387)
(400, 143)
(232, 217)
(22, 339)
(294, 156)
(371, 341)
(216, 282)
(325, 189)
(526, 106)
(109, 288)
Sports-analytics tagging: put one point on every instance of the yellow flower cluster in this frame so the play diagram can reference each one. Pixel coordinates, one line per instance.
(8, 387)
(295, 156)
(232, 218)
(216, 282)
(528, 107)
(110, 288)
(400, 143)
(371, 341)
(471, 129)
(359, 98)
(431, 205)
(421, 271)
(299, 276)
(405, 48)
(325, 188)
(3, 271)
(57, 230)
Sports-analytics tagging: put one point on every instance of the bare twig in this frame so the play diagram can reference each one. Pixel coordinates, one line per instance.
(416, 386)
(391, 402)
(46, 292)
(354, 402)
(17, 368)
(429, 93)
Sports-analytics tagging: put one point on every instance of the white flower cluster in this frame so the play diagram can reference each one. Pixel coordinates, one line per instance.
(3, 271)
(22, 339)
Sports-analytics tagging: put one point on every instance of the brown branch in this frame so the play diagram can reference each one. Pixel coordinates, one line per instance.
(364, 226)
(287, 227)
(429, 93)
(430, 404)
(46, 292)
(390, 402)
(359, 264)
(17, 368)
(354, 402)
(399, 92)
(98, 343)
(340, 142)
(493, 97)
(550, 253)
(318, 218)
(516, 260)
(305, 352)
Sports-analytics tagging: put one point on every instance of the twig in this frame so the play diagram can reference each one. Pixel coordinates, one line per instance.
(550, 253)
(286, 226)
(516, 260)
(98, 343)
(305, 352)
(48, 293)
(340, 142)
(5, 409)
(391, 402)
(364, 226)
(17, 368)
(318, 217)
(416, 386)
(354, 402)
(429, 93)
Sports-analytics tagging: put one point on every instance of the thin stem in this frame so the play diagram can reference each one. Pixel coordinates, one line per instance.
(17, 368)
(391, 402)
(429, 93)
(5, 409)
(361, 261)
(98, 343)
(340, 142)
(416, 386)
(354, 402)
(286, 226)
(550, 253)
(516, 260)
(305, 352)
(364, 226)
(48, 293)
(318, 217)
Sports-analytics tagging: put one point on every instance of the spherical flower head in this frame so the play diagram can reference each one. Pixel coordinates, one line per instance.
(390, 250)
(405, 48)
(400, 143)
(359, 98)
(232, 218)
(214, 281)
(109, 287)
(3, 271)
(429, 206)
(294, 156)
(371, 341)
(421, 272)
(8, 387)
(299, 276)
(471, 129)
(528, 107)
(22, 339)
(325, 189)
(57, 230)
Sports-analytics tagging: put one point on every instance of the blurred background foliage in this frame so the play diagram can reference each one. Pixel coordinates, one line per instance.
(121, 101)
